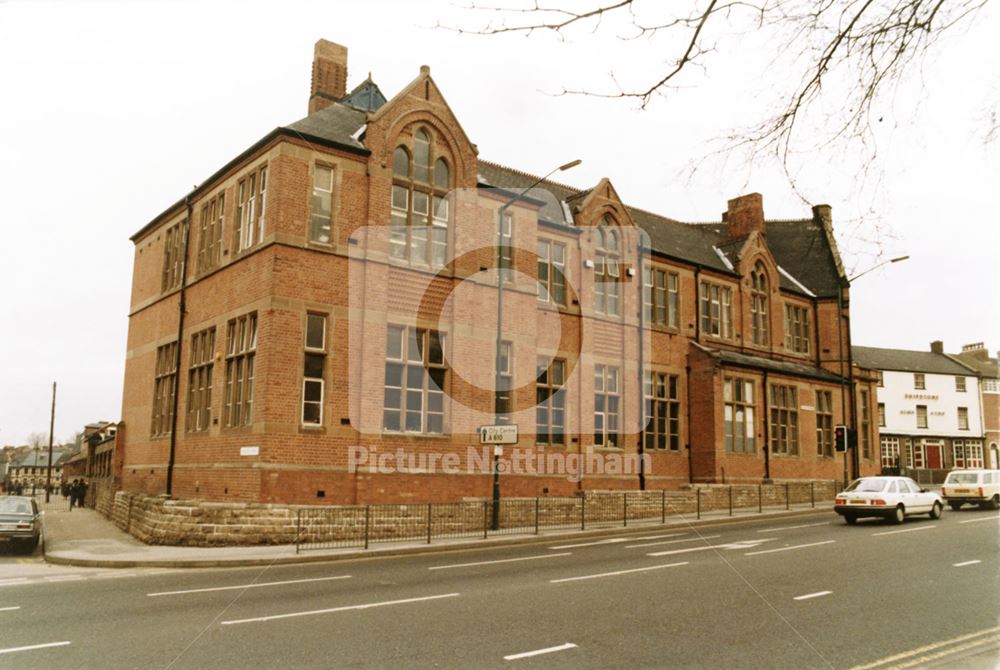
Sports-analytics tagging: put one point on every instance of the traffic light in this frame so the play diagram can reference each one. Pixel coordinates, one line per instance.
(840, 437)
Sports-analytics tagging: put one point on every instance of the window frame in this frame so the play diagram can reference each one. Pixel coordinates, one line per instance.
(313, 352)
(607, 406)
(550, 400)
(784, 420)
(798, 328)
(551, 288)
(759, 325)
(739, 411)
(251, 210)
(201, 370)
(824, 423)
(716, 310)
(423, 339)
(661, 394)
(405, 221)
(240, 363)
(164, 390)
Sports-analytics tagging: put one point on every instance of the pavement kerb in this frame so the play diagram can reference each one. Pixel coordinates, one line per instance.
(314, 556)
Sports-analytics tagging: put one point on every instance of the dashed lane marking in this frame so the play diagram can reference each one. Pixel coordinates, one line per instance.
(539, 652)
(502, 560)
(11, 650)
(810, 596)
(9, 609)
(965, 563)
(237, 587)
(616, 573)
(331, 610)
(805, 525)
(794, 546)
(656, 544)
(905, 530)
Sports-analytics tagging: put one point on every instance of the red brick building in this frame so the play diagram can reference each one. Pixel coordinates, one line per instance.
(329, 297)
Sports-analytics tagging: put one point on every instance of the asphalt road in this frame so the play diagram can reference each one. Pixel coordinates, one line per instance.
(808, 592)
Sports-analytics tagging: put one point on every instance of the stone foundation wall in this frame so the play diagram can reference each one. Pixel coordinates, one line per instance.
(157, 520)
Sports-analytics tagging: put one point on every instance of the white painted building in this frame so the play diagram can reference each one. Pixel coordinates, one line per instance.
(929, 411)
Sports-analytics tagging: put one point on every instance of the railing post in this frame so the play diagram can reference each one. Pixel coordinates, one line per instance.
(298, 529)
(429, 517)
(625, 509)
(760, 503)
(812, 493)
(730, 500)
(536, 515)
(788, 502)
(663, 505)
(368, 515)
(698, 501)
(583, 512)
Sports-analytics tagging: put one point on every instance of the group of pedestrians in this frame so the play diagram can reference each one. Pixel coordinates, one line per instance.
(76, 491)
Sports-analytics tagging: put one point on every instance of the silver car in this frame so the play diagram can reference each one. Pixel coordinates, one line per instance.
(20, 521)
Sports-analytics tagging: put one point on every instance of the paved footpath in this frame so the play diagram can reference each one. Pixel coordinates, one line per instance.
(83, 537)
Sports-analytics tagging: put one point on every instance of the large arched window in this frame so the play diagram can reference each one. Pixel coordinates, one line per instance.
(758, 304)
(420, 184)
(606, 268)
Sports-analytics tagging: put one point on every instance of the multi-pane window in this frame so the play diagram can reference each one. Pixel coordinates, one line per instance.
(419, 230)
(918, 455)
(967, 454)
(880, 379)
(550, 401)
(213, 214)
(606, 269)
(738, 398)
(797, 329)
(164, 388)
(991, 385)
(716, 310)
(505, 245)
(607, 403)
(503, 406)
(321, 205)
(758, 305)
(241, 347)
(415, 375)
(921, 416)
(251, 206)
(552, 272)
(881, 414)
(172, 257)
(963, 418)
(663, 411)
(960, 384)
(784, 426)
(313, 363)
(866, 424)
(919, 381)
(890, 452)
(824, 423)
(660, 297)
(199, 402)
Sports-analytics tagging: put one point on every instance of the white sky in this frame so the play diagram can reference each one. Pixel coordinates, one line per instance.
(113, 111)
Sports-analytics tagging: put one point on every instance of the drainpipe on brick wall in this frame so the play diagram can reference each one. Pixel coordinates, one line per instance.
(181, 304)
(855, 456)
(697, 304)
(815, 303)
(642, 374)
(767, 452)
(687, 383)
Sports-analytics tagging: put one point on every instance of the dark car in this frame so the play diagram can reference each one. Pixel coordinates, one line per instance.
(20, 521)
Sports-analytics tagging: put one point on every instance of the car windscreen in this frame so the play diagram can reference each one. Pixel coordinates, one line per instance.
(867, 485)
(961, 478)
(14, 506)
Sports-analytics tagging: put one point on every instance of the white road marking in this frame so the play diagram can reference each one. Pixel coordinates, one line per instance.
(502, 560)
(812, 595)
(13, 581)
(796, 546)
(905, 530)
(11, 609)
(65, 578)
(805, 525)
(538, 652)
(989, 518)
(744, 544)
(613, 540)
(930, 647)
(247, 586)
(965, 563)
(11, 650)
(330, 610)
(657, 537)
(655, 544)
(616, 573)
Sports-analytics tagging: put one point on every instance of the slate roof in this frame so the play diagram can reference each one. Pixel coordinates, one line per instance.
(987, 367)
(338, 123)
(40, 458)
(901, 360)
(781, 367)
(366, 96)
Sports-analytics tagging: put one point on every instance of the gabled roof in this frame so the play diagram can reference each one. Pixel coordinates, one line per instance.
(901, 360)
(366, 96)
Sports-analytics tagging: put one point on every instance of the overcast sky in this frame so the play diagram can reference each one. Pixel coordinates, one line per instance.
(113, 111)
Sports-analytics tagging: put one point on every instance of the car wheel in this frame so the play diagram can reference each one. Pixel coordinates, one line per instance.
(850, 519)
(955, 505)
(899, 515)
(936, 511)
(995, 502)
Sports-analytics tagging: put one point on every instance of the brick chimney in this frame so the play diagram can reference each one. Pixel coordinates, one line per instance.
(329, 75)
(937, 347)
(977, 350)
(745, 215)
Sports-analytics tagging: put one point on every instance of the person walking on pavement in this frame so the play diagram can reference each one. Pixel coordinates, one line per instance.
(72, 493)
(82, 497)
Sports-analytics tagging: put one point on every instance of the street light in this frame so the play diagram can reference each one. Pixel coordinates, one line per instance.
(498, 378)
(840, 351)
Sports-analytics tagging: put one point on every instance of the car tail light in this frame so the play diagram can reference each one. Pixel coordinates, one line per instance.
(878, 501)
(24, 526)
(944, 491)
(980, 491)
(839, 501)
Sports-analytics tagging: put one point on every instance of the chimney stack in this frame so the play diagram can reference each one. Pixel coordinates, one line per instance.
(329, 75)
(745, 215)
(937, 347)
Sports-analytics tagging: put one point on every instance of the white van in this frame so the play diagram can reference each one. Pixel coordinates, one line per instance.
(978, 487)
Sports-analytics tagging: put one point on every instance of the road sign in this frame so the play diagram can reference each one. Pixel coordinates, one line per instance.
(498, 434)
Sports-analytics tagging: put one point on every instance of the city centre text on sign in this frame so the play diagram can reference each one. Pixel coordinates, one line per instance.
(498, 435)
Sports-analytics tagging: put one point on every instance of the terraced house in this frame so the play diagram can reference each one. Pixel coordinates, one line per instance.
(330, 296)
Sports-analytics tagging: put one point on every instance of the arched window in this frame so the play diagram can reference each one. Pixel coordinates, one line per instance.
(419, 232)
(758, 304)
(606, 270)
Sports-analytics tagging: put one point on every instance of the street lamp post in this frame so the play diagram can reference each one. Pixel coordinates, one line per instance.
(840, 349)
(498, 378)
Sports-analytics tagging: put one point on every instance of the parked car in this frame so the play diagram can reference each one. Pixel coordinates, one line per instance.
(892, 498)
(20, 521)
(973, 486)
